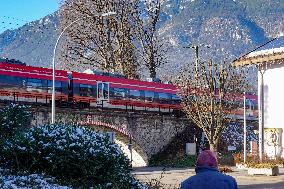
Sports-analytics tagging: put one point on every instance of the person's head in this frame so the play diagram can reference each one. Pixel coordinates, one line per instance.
(207, 158)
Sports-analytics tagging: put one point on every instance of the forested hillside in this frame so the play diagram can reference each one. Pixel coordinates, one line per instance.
(230, 27)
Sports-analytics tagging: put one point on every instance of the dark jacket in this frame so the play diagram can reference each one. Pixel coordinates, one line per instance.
(209, 178)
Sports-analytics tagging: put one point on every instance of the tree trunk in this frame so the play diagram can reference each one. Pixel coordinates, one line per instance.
(153, 73)
(213, 147)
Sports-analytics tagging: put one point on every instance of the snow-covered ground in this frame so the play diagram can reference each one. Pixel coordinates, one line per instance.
(137, 160)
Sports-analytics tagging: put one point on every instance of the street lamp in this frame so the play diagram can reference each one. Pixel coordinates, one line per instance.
(53, 60)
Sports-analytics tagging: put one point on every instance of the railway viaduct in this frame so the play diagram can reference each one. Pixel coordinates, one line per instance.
(147, 132)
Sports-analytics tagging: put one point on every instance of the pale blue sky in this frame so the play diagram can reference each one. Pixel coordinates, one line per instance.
(15, 13)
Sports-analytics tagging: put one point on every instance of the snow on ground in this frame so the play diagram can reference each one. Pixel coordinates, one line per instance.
(138, 161)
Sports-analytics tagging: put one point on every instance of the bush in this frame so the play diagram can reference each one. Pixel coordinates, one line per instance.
(225, 169)
(261, 165)
(226, 159)
(237, 158)
(9, 181)
(183, 161)
(254, 159)
(72, 154)
(13, 119)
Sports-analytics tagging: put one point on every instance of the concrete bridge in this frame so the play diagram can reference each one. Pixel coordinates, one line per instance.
(147, 132)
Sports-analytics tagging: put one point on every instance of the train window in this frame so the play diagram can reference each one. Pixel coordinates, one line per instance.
(118, 93)
(64, 86)
(85, 90)
(3, 80)
(10, 82)
(176, 99)
(164, 97)
(156, 97)
(103, 91)
(34, 83)
(76, 89)
(149, 95)
(134, 94)
(58, 86)
(16, 81)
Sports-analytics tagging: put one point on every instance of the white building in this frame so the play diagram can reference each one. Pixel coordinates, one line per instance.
(269, 60)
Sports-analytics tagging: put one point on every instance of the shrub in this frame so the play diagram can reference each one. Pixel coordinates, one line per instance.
(183, 161)
(225, 169)
(157, 183)
(254, 159)
(261, 165)
(9, 181)
(13, 119)
(226, 159)
(237, 158)
(72, 154)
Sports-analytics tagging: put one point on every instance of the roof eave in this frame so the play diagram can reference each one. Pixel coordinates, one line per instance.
(258, 60)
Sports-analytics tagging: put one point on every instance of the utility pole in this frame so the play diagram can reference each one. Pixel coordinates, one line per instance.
(110, 45)
(196, 51)
(245, 130)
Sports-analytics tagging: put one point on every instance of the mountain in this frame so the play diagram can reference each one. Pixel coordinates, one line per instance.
(230, 27)
(32, 43)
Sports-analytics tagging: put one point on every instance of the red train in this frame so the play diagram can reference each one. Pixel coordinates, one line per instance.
(19, 82)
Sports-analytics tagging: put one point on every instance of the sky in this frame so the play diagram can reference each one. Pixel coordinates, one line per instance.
(16, 13)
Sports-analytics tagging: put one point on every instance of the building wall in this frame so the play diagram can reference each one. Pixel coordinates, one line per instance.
(274, 98)
(273, 109)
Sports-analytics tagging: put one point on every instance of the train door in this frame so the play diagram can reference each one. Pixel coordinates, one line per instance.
(102, 92)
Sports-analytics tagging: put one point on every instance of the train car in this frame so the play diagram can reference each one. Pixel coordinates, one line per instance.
(98, 89)
(19, 82)
(117, 92)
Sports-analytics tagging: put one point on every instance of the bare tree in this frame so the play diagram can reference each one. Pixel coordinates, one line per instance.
(152, 48)
(104, 43)
(210, 96)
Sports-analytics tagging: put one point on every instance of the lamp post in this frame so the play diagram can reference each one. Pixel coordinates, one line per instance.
(53, 60)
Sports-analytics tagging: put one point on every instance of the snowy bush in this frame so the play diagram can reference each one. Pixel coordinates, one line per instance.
(72, 154)
(13, 119)
(9, 181)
